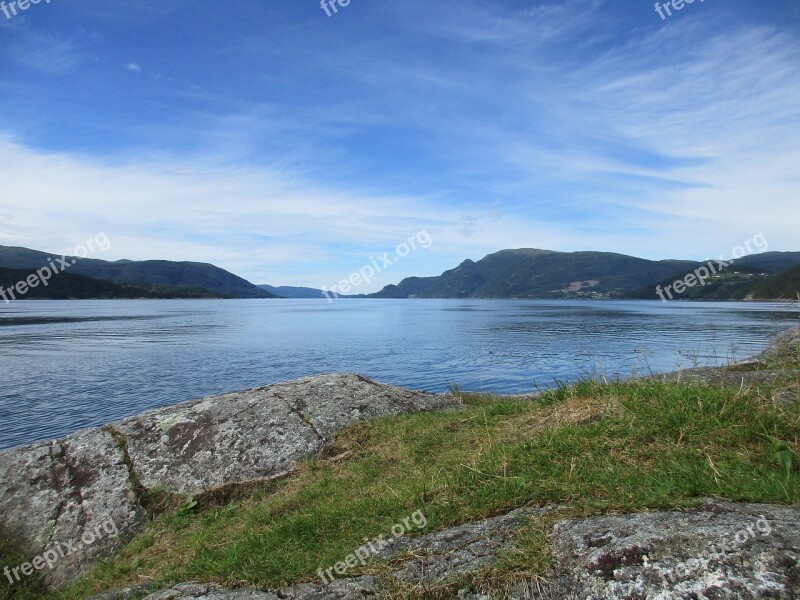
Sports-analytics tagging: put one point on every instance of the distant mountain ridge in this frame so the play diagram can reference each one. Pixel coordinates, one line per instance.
(69, 286)
(543, 274)
(522, 273)
(298, 293)
(287, 291)
(155, 274)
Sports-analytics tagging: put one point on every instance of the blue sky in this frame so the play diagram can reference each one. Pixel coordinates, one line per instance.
(290, 147)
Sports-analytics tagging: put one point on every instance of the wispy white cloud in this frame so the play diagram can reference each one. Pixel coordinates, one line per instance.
(133, 67)
(48, 53)
(264, 224)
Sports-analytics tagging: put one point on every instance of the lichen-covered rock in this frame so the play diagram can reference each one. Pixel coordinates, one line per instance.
(719, 550)
(69, 501)
(195, 591)
(343, 589)
(354, 588)
(435, 559)
(55, 494)
(256, 435)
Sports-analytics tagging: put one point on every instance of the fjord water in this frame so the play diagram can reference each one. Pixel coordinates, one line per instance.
(73, 364)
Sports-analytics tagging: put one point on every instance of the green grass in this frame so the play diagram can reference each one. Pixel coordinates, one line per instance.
(11, 556)
(590, 448)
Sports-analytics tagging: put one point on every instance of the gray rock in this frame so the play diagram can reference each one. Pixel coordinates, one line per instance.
(719, 550)
(74, 495)
(132, 593)
(259, 434)
(341, 589)
(344, 589)
(196, 591)
(57, 492)
(444, 556)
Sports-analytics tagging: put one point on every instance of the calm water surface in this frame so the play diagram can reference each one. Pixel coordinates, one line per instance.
(70, 365)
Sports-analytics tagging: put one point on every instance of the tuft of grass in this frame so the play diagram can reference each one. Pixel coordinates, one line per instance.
(589, 448)
(783, 455)
(12, 556)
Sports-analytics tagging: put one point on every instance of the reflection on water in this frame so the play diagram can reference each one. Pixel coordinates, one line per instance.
(69, 365)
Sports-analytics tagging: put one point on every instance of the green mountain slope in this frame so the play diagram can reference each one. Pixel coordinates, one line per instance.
(783, 286)
(733, 283)
(65, 286)
(68, 286)
(530, 273)
(770, 262)
(216, 281)
(738, 282)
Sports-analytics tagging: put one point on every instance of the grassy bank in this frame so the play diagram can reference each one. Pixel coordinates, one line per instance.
(591, 448)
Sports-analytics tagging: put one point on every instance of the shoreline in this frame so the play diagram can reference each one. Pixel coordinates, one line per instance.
(530, 390)
(216, 449)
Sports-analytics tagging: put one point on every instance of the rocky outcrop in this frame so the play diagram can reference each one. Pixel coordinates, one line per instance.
(717, 550)
(255, 435)
(423, 563)
(56, 494)
(69, 501)
(343, 589)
